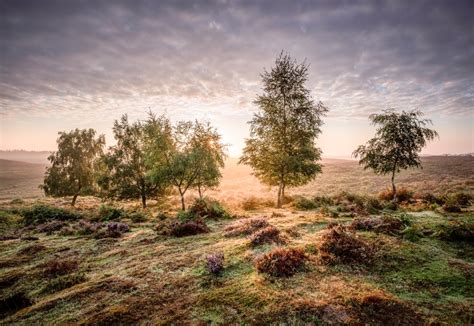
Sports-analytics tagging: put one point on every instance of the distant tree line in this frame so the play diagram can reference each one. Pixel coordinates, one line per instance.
(152, 156)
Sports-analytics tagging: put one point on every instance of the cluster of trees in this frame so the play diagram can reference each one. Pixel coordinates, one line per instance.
(149, 157)
(152, 155)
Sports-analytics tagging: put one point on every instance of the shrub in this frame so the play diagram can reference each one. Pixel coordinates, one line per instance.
(50, 227)
(162, 216)
(269, 234)
(451, 205)
(253, 203)
(338, 245)
(456, 231)
(85, 227)
(189, 228)
(137, 217)
(373, 205)
(429, 198)
(44, 213)
(245, 226)
(384, 224)
(412, 233)
(207, 208)
(403, 194)
(463, 199)
(215, 263)
(112, 230)
(57, 267)
(306, 204)
(281, 262)
(110, 213)
(391, 206)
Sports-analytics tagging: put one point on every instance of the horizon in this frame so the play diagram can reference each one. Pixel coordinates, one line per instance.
(204, 59)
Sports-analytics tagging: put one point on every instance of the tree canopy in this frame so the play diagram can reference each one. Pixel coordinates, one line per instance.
(398, 140)
(72, 170)
(281, 149)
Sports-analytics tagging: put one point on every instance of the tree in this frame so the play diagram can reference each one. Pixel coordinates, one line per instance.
(397, 142)
(126, 168)
(281, 149)
(193, 160)
(73, 166)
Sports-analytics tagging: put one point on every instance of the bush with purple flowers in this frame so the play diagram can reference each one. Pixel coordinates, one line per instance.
(215, 263)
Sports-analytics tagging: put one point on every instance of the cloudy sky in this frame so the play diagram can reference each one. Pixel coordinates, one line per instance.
(79, 64)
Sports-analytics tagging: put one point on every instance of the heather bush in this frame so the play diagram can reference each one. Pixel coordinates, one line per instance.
(57, 267)
(281, 262)
(110, 213)
(245, 226)
(383, 224)
(50, 227)
(269, 234)
(207, 208)
(112, 230)
(189, 228)
(85, 227)
(138, 217)
(451, 205)
(339, 245)
(456, 231)
(215, 263)
(44, 213)
(463, 199)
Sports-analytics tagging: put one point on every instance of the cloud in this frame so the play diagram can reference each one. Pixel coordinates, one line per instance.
(94, 58)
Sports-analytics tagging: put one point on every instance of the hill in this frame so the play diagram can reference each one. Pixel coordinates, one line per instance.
(20, 179)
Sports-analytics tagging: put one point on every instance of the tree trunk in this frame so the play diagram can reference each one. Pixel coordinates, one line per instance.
(199, 190)
(74, 200)
(283, 192)
(144, 200)
(394, 189)
(183, 206)
(279, 196)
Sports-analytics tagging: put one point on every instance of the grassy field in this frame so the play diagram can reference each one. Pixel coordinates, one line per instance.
(440, 174)
(65, 266)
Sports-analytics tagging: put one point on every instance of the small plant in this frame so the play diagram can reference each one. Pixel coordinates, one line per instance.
(269, 234)
(245, 226)
(85, 227)
(110, 213)
(215, 263)
(306, 204)
(412, 233)
(281, 262)
(17, 201)
(138, 217)
(338, 245)
(162, 216)
(451, 205)
(189, 228)
(463, 199)
(44, 213)
(373, 205)
(57, 267)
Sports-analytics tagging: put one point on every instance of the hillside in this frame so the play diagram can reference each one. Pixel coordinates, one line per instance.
(20, 179)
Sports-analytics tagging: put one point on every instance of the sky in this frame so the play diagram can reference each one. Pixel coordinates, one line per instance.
(82, 64)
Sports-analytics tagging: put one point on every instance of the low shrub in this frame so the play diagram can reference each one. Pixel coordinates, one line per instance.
(112, 230)
(189, 228)
(269, 234)
(403, 195)
(451, 205)
(85, 227)
(373, 205)
(412, 233)
(215, 263)
(138, 217)
(306, 204)
(245, 226)
(383, 224)
(207, 208)
(162, 216)
(429, 198)
(327, 211)
(463, 199)
(50, 227)
(43, 213)
(391, 206)
(110, 213)
(456, 231)
(281, 262)
(339, 245)
(57, 267)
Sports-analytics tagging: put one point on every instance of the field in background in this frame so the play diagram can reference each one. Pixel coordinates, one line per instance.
(440, 174)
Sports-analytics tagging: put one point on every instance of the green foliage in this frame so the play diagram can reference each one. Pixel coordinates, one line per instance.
(73, 166)
(412, 233)
(126, 168)
(193, 159)
(111, 213)
(456, 231)
(43, 213)
(137, 217)
(305, 204)
(203, 208)
(281, 149)
(398, 140)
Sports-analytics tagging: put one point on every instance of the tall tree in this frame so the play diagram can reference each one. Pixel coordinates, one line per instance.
(72, 167)
(398, 140)
(281, 149)
(126, 168)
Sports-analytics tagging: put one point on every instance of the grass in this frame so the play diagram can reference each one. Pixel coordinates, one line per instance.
(161, 279)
